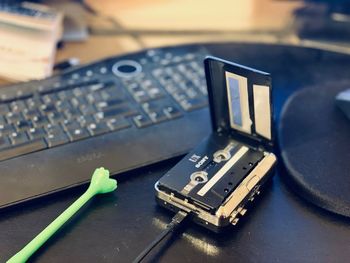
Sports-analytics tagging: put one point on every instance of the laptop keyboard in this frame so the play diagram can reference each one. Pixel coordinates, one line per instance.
(99, 99)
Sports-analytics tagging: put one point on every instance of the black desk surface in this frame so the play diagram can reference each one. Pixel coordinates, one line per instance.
(117, 226)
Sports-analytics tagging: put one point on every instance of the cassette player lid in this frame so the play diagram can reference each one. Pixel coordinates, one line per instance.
(240, 101)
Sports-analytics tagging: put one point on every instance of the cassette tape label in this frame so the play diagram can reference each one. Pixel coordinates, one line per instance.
(222, 171)
(226, 176)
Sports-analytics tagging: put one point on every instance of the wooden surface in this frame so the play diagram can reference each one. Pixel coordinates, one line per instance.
(97, 47)
(126, 26)
(197, 14)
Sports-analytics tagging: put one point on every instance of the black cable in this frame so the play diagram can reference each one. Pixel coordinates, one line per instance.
(175, 223)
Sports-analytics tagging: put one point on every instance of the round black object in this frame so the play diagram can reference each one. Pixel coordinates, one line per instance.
(314, 137)
(127, 68)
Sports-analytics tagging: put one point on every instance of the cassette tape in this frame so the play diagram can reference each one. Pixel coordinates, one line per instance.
(218, 179)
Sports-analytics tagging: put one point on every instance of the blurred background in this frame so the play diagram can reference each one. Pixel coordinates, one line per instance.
(31, 43)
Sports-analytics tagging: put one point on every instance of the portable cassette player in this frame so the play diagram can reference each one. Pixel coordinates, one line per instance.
(217, 180)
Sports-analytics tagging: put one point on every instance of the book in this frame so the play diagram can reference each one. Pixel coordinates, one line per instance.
(28, 37)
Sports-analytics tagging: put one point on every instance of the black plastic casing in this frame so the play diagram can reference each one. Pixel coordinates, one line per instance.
(215, 69)
(170, 188)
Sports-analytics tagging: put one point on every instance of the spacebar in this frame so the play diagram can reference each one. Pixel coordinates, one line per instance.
(21, 149)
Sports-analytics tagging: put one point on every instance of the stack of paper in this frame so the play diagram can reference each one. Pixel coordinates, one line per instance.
(28, 37)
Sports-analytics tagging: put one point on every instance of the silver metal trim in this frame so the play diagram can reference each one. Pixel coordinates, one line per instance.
(117, 72)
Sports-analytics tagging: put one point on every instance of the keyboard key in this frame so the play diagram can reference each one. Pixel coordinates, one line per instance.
(124, 110)
(155, 93)
(179, 96)
(113, 93)
(133, 87)
(87, 109)
(55, 117)
(2, 120)
(104, 105)
(78, 92)
(54, 129)
(46, 108)
(78, 134)
(94, 98)
(97, 87)
(62, 95)
(75, 131)
(141, 96)
(71, 125)
(6, 129)
(55, 135)
(4, 142)
(35, 133)
(33, 103)
(71, 113)
(172, 112)
(13, 117)
(76, 101)
(161, 110)
(118, 124)
(191, 93)
(193, 104)
(98, 128)
(31, 113)
(17, 106)
(4, 109)
(154, 109)
(20, 149)
(18, 137)
(40, 121)
(55, 139)
(172, 88)
(62, 105)
(142, 121)
(23, 125)
(84, 121)
(50, 98)
(157, 116)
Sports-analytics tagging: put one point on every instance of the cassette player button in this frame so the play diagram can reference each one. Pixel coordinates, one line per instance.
(252, 182)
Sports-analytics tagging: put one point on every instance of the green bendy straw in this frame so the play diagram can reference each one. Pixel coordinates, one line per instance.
(100, 184)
